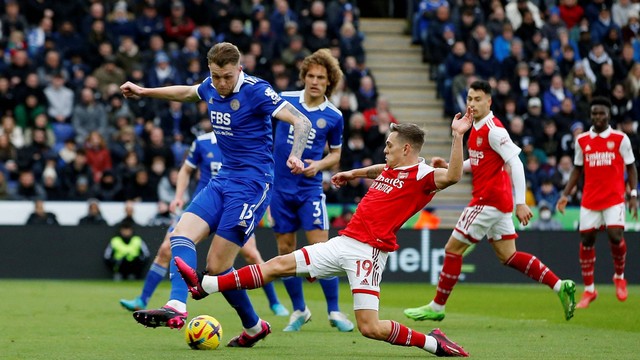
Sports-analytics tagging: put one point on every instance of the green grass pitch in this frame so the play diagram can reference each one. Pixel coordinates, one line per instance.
(83, 320)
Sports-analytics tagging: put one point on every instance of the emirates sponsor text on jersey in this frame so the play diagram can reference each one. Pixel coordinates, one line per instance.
(386, 184)
(600, 158)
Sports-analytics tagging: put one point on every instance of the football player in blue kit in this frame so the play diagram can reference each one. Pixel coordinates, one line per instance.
(298, 200)
(205, 156)
(232, 203)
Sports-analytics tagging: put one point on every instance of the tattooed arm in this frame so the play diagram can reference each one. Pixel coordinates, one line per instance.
(301, 129)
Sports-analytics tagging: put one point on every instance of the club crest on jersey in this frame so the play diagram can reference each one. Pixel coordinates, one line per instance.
(403, 175)
(321, 123)
(478, 141)
(235, 104)
(211, 100)
(610, 145)
(210, 155)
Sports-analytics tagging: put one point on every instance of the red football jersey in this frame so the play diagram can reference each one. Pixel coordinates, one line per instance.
(603, 157)
(395, 196)
(490, 147)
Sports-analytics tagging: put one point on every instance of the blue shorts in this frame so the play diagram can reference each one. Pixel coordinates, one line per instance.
(232, 207)
(307, 209)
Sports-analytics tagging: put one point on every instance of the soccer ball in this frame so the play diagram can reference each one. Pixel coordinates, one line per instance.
(203, 332)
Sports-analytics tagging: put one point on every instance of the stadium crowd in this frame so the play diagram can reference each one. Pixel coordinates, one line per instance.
(545, 59)
(67, 133)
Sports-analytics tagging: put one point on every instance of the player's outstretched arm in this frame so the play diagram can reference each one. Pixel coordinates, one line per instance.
(573, 181)
(327, 162)
(301, 129)
(370, 172)
(180, 93)
(447, 177)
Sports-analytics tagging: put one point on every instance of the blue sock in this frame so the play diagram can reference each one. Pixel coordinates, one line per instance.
(155, 274)
(270, 291)
(239, 300)
(186, 250)
(294, 288)
(330, 290)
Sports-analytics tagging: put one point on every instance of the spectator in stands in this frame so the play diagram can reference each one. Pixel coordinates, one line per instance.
(14, 133)
(60, 98)
(178, 26)
(109, 73)
(570, 12)
(129, 211)
(34, 155)
(623, 64)
(621, 106)
(163, 73)
(89, 115)
(5, 193)
(127, 254)
(339, 12)
(281, 15)
(167, 187)
(479, 36)
(163, 216)
(51, 185)
(109, 187)
(550, 142)
(98, 156)
(566, 116)
(554, 96)
(128, 54)
(631, 30)
(487, 66)
(236, 35)
(28, 188)
(126, 172)
(451, 67)
(496, 20)
(602, 24)
(149, 23)
(341, 221)
(294, 51)
(141, 190)
(40, 216)
(94, 215)
(516, 9)
(441, 37)
(551, 28)
(367, 94)
(377, 136)
(351, 42)
(8, 152)
(120, 22)
(594, 61)
(157, 147)
(52, 65)
(545, 220)
(26, 111)
(382, 106)
(319, 37)
(534, 118)
(177, 118)
(352, 192)
(516, 130)
(466, 22)
(502, 42)
(40, 122)
(605, 81)
(78, 168)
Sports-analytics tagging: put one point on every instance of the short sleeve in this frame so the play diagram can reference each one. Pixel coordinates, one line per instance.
(501, 143)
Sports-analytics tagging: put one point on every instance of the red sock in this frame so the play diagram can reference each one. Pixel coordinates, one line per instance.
(533, 268)
(448, 277)
(403, 336)
(587, 263)
(619, 253)
(248, 277)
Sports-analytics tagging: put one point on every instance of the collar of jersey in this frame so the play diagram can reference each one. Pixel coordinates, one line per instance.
(477, 125)
(238, 84)
(603, 134)
(322, 106)
(420, 161)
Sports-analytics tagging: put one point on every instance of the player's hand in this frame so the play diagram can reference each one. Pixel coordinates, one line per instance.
(523, 213)
(176, 204)
(562, 204)
(131, 90)
(341, 178)
(296, 165)
(438, 162)
(460, 123)
(312, 168)
(633, 207)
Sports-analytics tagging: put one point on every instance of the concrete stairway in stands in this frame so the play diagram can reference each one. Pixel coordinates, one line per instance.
(402, 77)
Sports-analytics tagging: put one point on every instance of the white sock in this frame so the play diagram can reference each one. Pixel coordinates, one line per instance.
(431, 344)
(210, 284)
(590, 288)
(616, 276)
(436, 307)
(178, 305)
(557, 286)
(255, 330)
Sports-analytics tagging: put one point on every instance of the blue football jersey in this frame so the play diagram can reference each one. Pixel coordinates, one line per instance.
(327, 125)
(242, 125)
(205, 155)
